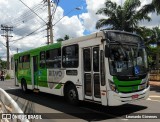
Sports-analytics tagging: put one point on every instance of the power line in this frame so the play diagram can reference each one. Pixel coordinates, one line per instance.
(14, 41)
(26, 15)
(33, 11)
(3, 44)
(57, 3)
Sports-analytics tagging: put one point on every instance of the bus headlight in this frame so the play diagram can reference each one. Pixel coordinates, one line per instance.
(112, 86)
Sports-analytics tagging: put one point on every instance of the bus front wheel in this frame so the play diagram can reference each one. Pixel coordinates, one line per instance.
(24, 86)
(71, 95)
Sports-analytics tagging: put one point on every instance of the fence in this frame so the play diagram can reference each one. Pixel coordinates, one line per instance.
(9, 106)
(154, 75)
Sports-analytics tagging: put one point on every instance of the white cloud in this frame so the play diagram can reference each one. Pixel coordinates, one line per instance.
(27, 22)
(69, 26)
(74, 26)
(90, 18)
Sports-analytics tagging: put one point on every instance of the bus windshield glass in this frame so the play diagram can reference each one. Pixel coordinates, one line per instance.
(127, 56)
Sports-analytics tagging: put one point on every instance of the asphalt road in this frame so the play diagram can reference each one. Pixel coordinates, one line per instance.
(55, 109)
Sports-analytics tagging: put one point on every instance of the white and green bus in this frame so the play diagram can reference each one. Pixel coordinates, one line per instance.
(108, 67)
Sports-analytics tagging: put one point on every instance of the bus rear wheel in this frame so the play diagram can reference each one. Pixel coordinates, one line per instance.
(24, 86)
(71, 95)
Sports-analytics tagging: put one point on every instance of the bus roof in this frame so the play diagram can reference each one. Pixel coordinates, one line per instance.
(59, 44)
(68, 42)
(37, 50)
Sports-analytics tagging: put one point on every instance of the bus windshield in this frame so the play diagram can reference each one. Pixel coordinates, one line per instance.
(127, 55)
(127, 60)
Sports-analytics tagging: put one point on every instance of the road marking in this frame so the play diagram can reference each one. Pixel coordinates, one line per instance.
(153, 100)
(148, 98)
(124, 119)
(155, 96)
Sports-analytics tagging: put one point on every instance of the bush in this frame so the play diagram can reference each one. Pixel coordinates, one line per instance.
(8, 76)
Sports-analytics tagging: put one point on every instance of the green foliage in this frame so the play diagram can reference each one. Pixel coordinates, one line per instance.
(7, 76)
(154, 6)
(125, 17)
(66, 37)
(59, 40)
(3, 64)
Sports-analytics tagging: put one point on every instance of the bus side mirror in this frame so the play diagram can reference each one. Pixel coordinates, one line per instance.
(107, 51)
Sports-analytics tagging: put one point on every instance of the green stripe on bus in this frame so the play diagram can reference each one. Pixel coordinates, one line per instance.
(58, 86)
(126, 86)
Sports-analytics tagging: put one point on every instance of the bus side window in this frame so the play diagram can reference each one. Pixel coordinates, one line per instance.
(42, 59)
(26, 62)
(53, 58)
(26, 58)
(70, 56)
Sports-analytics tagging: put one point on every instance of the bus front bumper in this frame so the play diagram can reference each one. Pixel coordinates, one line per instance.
(115, 99)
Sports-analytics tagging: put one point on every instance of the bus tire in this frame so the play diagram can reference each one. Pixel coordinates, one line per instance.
(71, 95)
(24, 86)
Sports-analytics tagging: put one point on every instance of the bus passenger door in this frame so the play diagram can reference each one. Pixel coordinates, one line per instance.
(91, 69)
(35, 72)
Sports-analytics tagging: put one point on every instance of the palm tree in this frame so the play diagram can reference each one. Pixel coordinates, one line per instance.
(153, 39)
(154, 6)
(125, 17)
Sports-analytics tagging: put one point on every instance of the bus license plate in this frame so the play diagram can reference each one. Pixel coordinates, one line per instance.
(135, 96)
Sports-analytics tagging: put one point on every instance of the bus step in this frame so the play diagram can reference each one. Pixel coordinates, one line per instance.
(36, 90)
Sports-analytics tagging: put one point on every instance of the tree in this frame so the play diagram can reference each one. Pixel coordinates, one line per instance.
(59, 40)
(156, 38)
(154, 6)
(152, 42)
(125, 17)
(66, 37)
(3, 64)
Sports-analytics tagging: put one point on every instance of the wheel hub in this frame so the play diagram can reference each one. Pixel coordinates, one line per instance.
(72, 94)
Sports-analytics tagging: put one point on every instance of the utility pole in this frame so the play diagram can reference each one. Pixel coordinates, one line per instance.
(17, 50)
(6, 29)
(49, 24)
(47, 34)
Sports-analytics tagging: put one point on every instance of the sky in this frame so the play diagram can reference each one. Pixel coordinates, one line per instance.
(75, 23)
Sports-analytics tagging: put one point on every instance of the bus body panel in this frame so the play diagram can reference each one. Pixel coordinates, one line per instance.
(53, 80)
(116, 99)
